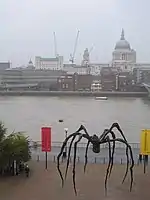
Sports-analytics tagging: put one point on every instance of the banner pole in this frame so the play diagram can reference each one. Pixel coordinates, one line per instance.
(46, 160)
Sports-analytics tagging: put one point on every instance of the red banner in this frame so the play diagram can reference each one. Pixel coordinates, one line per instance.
(46, 139)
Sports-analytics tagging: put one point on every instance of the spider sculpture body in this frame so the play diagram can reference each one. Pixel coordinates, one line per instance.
(108, 136)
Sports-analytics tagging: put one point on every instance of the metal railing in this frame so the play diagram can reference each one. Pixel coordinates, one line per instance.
(83, 145)
(92, 160)
(102, 158)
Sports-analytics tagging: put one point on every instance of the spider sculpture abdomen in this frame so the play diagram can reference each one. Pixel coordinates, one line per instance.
(96, 147)
(95, 143)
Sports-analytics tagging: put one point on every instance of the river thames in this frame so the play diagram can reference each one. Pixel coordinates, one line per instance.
(29, 114)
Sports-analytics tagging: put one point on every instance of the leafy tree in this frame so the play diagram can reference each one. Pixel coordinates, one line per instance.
(3, 131)
(14, 147)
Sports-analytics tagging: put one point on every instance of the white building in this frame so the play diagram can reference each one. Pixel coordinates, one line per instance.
(49, 63)
(95, 68)
(73, 68)
(96, 86)
(123, 56)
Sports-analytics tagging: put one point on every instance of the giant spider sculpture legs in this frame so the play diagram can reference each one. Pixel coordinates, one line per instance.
(73, 135)
(113, 151)
(96, 142)
(69, 151)
(109, 163)
(105, 139)
(119, 129)
(106, 132)
(61, 152)
(131, 154)
(74, 162)
(116, 125)
(86, 158)
(111, 158)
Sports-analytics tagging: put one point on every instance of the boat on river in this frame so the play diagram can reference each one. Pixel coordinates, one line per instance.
(101, 98)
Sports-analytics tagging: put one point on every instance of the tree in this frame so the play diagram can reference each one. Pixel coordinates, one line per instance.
(3, 131)
(14, 147)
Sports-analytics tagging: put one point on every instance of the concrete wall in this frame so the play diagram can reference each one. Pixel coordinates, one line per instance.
(71, 93)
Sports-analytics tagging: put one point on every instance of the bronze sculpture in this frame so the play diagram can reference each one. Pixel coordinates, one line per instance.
(108, 136)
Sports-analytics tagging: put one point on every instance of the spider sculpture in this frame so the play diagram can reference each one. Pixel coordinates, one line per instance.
(108, 136)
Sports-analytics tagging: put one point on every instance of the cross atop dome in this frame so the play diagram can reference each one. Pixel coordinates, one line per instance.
(122, 35)
(122, 43)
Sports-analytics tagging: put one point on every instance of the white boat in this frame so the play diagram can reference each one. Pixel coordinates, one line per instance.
(101, 98)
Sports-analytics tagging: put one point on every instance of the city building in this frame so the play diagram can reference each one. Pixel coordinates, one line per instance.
(124, 81)
(141, 74)
(129, 73)
(113, 79)
(83, 82)
(96, 86)
(49, 63)
(123, 56)
(5, 65)
(73, 68)
(95, 68)
(43, 79)
(66, 83)
(108, 78)
(123, 73)
(75, 82)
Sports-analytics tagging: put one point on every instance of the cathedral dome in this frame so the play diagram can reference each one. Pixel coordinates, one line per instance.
(122, 43)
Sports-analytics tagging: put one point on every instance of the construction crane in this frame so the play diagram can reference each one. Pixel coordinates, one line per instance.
(55, 45)
(91, 49)
(74, 50)
(88, 64)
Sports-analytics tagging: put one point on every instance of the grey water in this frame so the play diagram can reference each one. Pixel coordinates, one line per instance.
(29, 114)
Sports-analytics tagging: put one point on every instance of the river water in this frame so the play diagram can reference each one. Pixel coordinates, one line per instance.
(29, 114)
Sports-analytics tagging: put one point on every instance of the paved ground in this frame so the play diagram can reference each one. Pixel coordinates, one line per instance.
(45, 184)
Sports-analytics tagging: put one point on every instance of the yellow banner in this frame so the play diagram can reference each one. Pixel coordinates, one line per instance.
(145, 142)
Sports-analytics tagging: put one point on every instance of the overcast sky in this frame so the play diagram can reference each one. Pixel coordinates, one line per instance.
(27, 28)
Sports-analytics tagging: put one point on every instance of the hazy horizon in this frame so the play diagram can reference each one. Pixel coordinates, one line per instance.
(27, 28)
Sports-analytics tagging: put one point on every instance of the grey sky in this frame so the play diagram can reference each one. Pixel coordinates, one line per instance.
(27, 28)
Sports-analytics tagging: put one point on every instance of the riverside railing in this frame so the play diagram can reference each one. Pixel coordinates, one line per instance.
(102, 157)
(83, 145)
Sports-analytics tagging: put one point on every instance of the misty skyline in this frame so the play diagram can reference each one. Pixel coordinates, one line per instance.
(27, 28)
